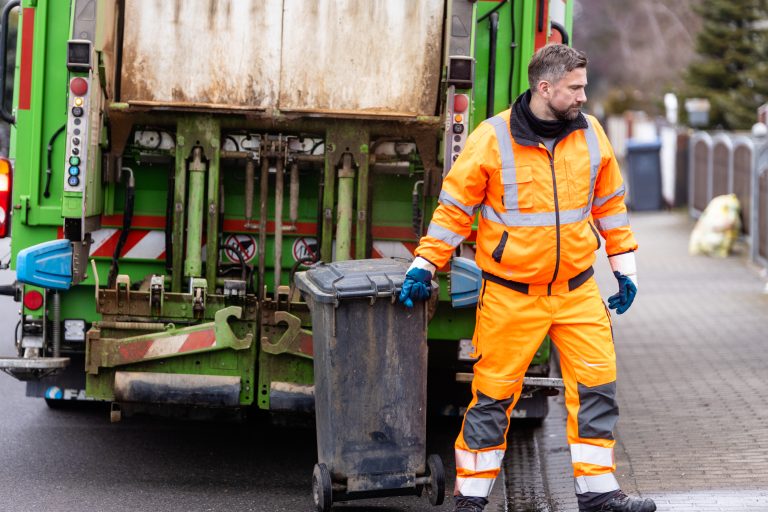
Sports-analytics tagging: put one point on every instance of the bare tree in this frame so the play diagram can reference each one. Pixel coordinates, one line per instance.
(638, 48)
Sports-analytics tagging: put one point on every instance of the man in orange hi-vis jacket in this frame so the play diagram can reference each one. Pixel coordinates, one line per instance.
(547, 186)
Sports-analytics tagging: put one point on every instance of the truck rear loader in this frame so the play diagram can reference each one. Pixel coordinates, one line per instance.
(174, 163)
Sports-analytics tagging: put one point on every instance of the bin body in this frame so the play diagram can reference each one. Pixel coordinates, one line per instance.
(370, 362)
(644, 171)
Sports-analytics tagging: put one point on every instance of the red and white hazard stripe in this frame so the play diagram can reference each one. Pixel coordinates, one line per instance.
(163, 347)
(393, 249)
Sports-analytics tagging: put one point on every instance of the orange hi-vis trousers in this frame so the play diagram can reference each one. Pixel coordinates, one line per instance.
(509, 330)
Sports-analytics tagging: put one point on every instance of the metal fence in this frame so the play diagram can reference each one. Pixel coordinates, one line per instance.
(726, 163)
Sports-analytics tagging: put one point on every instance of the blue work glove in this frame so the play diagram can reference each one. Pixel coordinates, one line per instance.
(416, 286)
(627, 291)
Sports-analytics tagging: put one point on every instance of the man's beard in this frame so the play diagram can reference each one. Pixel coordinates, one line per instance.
(568, 114)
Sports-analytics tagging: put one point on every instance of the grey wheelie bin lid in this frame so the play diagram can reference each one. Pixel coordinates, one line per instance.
(353, 279)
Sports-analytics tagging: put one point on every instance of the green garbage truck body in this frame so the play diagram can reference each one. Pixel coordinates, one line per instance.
(175, 163)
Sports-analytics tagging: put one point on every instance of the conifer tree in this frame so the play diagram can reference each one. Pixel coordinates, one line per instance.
(730, 70)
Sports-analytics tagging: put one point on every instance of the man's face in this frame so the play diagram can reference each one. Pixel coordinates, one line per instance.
(565, 97)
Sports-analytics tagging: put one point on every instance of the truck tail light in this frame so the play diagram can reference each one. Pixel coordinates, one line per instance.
(33, 300)
(5, 196)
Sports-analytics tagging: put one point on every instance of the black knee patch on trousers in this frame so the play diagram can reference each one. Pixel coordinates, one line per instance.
(598, 411)
(486, 422)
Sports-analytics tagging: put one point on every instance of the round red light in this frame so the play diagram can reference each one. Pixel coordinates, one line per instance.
(78, 86)
(460, 103)
(33, 300)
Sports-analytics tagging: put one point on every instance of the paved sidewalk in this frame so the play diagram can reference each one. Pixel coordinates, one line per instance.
(693, 374)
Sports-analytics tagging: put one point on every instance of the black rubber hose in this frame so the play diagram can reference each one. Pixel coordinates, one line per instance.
(561, 29)
(486, 15)
(130, 196)
(540, 22)
(48, 171)
(490, 100)
(240, 258)
(234, 141)
(512, 47)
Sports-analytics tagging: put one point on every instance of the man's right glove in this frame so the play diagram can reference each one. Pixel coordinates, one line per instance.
(418, 282)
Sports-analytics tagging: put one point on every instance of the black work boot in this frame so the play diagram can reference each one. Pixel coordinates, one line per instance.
(469, 503)
(623, 503)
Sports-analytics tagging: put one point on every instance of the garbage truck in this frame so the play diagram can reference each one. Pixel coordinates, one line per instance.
(174, 164)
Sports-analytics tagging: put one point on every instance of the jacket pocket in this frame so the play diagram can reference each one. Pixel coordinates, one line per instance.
(594, 232)
(518, 192)
(499, 251)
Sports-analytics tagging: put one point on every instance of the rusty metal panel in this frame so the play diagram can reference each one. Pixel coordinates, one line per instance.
(211, 53)
(106, 29)
(376, 56)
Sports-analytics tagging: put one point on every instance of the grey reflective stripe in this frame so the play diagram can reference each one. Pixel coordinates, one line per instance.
(598, 411)
(594, 157)
(487, 460)
(596, 483)
(480, 487)
(447, 198)
(486, 422)
(444, 234)
(591, 454)
(600, 201)
(508, 174)
(612, 221)
(517, 219)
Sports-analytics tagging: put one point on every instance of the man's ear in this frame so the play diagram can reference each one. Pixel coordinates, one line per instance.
(544, 88)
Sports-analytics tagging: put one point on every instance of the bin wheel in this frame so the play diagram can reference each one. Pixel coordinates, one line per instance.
(322, 491)
(436, 485)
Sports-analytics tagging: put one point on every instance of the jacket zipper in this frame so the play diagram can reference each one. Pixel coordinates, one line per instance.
(557, 219)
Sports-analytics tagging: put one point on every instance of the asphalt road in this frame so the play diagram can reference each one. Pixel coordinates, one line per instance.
(74, 459)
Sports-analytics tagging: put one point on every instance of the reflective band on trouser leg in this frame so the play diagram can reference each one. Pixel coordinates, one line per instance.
(591, 454)
(473, 486)
(599, 484)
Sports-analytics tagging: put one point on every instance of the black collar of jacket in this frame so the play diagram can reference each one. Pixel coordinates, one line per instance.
(524, 134)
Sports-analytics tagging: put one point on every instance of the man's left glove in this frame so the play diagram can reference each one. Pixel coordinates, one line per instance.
(625, 271)
(418, 282)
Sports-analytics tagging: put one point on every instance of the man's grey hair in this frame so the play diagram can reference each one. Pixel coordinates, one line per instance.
(553, 62)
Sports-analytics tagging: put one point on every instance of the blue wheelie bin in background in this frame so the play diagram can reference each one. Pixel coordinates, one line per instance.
(644, 175)
(370, 364)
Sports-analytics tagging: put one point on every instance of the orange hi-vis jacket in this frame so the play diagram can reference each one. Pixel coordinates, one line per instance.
(540, 212)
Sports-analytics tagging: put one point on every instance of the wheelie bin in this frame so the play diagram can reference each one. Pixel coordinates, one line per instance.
(370, 363)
